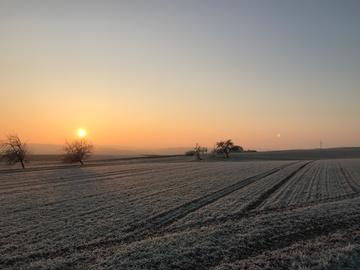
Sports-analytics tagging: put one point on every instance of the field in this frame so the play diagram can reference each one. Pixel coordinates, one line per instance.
(179, 214)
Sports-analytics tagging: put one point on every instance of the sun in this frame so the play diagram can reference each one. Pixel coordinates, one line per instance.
(81, 133)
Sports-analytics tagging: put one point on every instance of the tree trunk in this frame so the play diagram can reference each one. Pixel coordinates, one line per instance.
(22, 164)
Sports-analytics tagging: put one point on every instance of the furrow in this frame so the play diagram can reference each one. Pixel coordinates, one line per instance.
(149, 226)
(255, 204)
(181, 211)
(349, 179)
(301, 232)
(240, 215)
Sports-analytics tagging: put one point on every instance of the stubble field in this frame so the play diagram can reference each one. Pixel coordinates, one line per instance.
(183, 215)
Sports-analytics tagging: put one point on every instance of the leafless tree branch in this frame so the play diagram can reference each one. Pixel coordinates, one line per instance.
(13, 150)
(77, 151)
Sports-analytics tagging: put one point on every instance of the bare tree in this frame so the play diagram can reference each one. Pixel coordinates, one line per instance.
(198, 151)
(224, 147)
(13, 150)
(77, 151)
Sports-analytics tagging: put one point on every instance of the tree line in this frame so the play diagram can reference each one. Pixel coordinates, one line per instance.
(13, 150)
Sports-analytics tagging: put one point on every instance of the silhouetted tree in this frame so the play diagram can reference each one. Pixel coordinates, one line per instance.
(77, 151)
(224, 147)
(13, 150)
(198, 151)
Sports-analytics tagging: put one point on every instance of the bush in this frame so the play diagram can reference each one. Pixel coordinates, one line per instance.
(236, 149)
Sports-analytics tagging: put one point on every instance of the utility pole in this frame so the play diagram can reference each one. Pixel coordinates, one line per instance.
(321, 144)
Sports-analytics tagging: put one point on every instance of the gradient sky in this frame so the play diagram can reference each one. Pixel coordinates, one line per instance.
(268, 74)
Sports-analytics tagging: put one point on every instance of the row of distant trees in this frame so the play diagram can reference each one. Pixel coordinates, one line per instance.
(13, 150)
(222, 147)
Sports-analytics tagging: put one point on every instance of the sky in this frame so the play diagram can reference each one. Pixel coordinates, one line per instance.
(273, 74)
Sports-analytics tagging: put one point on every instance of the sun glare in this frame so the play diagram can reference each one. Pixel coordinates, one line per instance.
(81, 132)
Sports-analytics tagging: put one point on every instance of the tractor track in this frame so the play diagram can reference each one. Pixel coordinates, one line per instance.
(83, 180)
(183, 210)
(252, 247)
(88, 212)
(255, 204)
(118, 176)
(349, 180)
(149, 226)
(268, 211)
(271, 241)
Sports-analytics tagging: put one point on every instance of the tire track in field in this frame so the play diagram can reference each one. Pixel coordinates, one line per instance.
(82, 214)
(251, 209)
(172, 215)
(253, 213)
(270, 241)
(259, 201)
(88, 212)
(99, 209)
(315, 202)
(349, 179)
(106, 178)
(258, 243)
(309, 186)
(149, 226)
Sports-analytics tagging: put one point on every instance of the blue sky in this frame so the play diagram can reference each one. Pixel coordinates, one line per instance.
(182, 72)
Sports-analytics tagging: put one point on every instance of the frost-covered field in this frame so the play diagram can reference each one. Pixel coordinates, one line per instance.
(183, 215)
